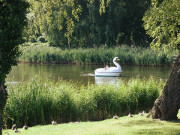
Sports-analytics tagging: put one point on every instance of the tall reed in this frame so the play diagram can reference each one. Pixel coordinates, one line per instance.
(41, 101)
(128, 55)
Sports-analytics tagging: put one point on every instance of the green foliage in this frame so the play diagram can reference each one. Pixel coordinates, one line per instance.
(53, 18)
(162, 22)
(71, 24)
(128, 55)
(42, 39)
(32, 39)
(12, 22)
(41, 101)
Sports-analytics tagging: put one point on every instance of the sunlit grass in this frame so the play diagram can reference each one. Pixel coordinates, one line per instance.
(136, 125)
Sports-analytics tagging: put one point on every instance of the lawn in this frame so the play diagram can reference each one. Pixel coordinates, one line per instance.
(137, 125)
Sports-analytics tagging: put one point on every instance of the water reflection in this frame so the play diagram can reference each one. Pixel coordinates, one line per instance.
(107, 80)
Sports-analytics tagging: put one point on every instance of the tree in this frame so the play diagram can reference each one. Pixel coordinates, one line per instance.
(12, 22)
(55, 18)
(162, 22)
(85, 23)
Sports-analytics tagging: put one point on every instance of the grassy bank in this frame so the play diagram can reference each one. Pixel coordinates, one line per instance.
(122, 126)
(43, 53)
(40, 102)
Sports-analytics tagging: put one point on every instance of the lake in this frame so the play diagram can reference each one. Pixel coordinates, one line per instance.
(82, 74)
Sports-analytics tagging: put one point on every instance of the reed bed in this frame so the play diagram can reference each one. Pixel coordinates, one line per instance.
(128, 55)
(41, 101)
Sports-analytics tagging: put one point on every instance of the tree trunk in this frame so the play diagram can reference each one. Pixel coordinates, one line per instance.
(166, 106)
(3, 98)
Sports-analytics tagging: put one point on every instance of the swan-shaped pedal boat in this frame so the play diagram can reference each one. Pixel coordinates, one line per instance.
(112, 71)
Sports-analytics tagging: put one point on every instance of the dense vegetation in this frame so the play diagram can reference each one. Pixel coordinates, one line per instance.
(40, 101)
(128, 55)
(87, 23)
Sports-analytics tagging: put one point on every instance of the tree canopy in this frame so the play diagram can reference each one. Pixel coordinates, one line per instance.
(162, 22)
(12, 22)
(85, 23)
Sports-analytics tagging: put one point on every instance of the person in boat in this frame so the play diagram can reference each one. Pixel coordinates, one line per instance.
(107, 67)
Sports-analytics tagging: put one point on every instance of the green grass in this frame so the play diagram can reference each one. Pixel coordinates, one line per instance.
(137, 125)
(41, 101)
(43, 53)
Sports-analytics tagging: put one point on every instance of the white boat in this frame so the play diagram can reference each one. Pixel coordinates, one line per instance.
(109, 72)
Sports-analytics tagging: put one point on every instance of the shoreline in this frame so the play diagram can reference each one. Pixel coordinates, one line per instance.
(131, 56)
(76, 63)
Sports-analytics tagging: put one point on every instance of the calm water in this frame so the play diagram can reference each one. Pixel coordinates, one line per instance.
(82, 74)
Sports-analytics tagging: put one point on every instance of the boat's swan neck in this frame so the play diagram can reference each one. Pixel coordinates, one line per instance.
(115, 63)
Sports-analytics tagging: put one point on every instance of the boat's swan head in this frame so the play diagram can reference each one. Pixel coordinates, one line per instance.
(116, 58)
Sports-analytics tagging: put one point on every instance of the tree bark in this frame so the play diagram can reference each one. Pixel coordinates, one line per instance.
(166, 106)
(3, 98)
